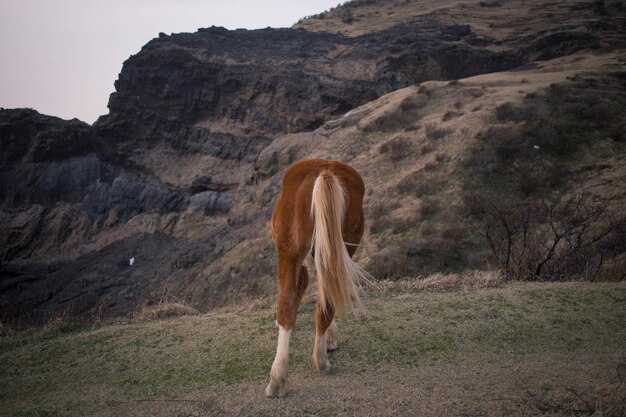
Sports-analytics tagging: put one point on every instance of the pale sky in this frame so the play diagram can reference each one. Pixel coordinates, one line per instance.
(61, 57)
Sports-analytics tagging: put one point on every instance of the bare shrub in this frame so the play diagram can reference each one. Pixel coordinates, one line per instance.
(403, 225)
(428, 208)
(405, 116)
(427, 148)
(437, 250)
(379, 224)
(568, 116)
(379, 214)
(607, 399)
(389, 122)
(382, 220)
(389, 263)
(419, 184)
(412, 103)
(441, 158)
(449, 115)
(476, 92)
(431, 166)
(553, 240)
(377, 210)
(506, 152)
(506, 112)
(396, 149)
(435, 132)
(425, 90)
(495, 146)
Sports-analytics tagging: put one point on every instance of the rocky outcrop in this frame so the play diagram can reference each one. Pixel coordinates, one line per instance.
(63, 207)
(227, 94)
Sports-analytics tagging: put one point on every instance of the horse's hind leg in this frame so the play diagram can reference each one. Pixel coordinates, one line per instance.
(331, 331)
(323, 323)
(291, 290)
(331, 336)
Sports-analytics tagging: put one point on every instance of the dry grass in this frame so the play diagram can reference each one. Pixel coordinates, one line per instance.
(396, 149)
(440, 282)
(165, 310)
(435, 132)
(442, 345)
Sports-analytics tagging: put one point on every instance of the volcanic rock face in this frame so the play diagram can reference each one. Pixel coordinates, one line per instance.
(60, 201)
(182, 173)
(227, 94)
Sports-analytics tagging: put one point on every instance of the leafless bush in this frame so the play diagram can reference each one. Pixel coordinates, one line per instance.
(396, 149)
(425, 90)
(379, 214)
(412, 103)
(437, 249)
(389, 263)
(435, 132)
(404, 117)
(419, 184)
(505, 155)
(396, 225)
(431, 166)
(476, 92)
(428, 208)
(553, 240)
(451, 115)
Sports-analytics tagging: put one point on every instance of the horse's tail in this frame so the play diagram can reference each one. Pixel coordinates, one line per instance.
(339, 278)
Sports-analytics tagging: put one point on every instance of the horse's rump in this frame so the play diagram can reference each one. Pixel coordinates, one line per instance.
(338, 276)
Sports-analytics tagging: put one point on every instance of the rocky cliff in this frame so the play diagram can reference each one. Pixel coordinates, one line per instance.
(168, 196)
(222, 96)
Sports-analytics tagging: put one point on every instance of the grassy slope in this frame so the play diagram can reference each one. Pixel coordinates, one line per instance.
(518, 349)
(416, 216)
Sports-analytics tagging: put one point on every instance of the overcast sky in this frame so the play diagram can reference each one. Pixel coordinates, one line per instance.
(61, 57)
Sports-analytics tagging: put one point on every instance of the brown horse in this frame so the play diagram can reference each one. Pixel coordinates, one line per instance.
(320, 207)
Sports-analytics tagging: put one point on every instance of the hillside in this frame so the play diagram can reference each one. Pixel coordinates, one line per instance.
(451, 346)
(452, 111)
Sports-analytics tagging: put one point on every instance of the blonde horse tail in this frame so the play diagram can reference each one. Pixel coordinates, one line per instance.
(339, 278)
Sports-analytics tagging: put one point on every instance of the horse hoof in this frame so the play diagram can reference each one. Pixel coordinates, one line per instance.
(275, 390)
(323, 368)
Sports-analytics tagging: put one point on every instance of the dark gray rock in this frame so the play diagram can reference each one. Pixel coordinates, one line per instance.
(179, 90)
(212, 201)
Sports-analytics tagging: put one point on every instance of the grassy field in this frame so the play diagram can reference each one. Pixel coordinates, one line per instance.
(513, 349)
